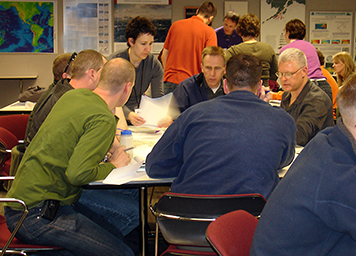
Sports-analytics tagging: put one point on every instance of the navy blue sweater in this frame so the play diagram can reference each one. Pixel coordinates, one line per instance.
(231, 144)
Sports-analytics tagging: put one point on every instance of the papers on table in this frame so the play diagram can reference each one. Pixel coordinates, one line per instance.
(133, 170)
(127, 173)
(154, 109)
(142, 151)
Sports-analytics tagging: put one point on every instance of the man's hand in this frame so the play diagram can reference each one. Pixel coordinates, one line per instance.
(120, 158)
(135, 119)
(265, 94)
(115, 145)
(165, 122)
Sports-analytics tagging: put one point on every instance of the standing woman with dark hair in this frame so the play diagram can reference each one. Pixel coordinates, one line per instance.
(248, 28)
(344, 66)
(294, 33)
(140, 34)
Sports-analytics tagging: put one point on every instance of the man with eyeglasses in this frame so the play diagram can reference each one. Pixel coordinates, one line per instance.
(228, 145)
(310, 106)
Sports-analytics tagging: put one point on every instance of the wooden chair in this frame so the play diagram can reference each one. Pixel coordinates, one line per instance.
(184, 218)
(231, 234)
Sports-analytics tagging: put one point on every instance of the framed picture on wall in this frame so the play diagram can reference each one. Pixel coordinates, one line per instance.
(190, 11)
(240, 7)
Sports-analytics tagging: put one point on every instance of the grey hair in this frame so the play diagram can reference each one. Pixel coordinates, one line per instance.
(293, 55)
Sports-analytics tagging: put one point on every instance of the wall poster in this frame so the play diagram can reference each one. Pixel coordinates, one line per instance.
(87, 25)
(240, 7)
(274, 16)
(28, 26)
(331, 32)
(157, 11)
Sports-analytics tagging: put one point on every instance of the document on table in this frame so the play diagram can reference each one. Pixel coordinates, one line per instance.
(127, 173)
(154, 109)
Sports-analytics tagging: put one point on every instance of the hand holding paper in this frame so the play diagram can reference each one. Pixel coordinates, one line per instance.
(155, 110)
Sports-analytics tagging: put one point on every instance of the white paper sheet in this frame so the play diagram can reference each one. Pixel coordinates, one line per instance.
(154, 109)
(127, 173)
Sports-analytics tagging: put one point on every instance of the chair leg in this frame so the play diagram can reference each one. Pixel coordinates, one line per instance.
(18, 224)
(156, 239)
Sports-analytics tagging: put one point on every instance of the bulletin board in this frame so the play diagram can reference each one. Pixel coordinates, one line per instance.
(331, 32)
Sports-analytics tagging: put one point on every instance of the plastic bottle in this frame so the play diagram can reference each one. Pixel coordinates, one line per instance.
(127, 140)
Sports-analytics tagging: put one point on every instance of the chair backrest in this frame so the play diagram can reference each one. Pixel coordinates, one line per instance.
(16, 124)
(183, 219)
(7, 142)
(231, 234)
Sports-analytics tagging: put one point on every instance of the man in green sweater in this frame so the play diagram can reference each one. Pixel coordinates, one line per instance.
(66, 154)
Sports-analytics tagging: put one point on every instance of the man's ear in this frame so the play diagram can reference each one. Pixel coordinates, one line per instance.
(127, 88)
(259, 90)
(226, 88)
(305, 71)
(66, 76)
(91, 74)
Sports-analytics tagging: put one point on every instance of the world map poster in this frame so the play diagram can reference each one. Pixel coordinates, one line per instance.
(27, 26)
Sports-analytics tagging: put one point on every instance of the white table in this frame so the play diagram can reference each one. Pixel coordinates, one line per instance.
(18, 108)
(284, 170)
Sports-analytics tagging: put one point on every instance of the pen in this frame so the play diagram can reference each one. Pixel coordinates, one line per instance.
(128, 149)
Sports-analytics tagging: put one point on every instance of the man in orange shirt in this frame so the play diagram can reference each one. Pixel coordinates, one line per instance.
(186, 39)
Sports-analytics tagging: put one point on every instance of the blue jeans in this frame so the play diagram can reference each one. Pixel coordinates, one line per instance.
(76, 228)
(169, 87)
(119, 206)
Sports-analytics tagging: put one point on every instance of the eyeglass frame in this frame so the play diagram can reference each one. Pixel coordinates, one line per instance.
(72, 57)
(280, 74)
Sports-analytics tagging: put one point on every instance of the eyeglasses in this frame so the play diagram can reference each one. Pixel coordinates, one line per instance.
(287, 74)
(70, 60)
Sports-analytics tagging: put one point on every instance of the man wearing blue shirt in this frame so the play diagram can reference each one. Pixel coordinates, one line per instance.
(227, 145)
(312, 210)
(226, 34)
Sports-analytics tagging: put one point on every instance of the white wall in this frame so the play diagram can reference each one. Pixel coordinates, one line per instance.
(41, 64)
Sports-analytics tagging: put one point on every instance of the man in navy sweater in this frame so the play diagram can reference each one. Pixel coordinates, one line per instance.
(206, 85)
(233, 144)
(312, 210)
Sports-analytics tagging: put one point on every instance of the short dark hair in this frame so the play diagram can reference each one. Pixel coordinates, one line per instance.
(243, 71)
(232, 16)
(139, 25)
(296, 29)
(321, 57)
(59, 65)
(213, 51)
(207, 9)
(248, 25)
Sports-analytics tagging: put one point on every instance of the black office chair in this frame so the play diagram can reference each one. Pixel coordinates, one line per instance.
(184, 218)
